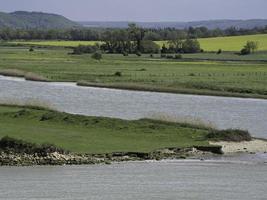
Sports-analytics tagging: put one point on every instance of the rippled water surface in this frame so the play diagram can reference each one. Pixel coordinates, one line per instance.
(232, 178)
(187, 180)
(250, 114)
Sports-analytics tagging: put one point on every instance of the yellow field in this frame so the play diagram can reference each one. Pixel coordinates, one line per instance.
(234, 43)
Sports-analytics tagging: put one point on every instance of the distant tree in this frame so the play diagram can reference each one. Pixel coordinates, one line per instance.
(250, 47)
(191, 46)
(148, 46)
(164, 49)
(136, 34)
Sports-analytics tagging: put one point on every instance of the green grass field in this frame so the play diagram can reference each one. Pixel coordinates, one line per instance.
(82, 134)
(238, 78)
(234, 43)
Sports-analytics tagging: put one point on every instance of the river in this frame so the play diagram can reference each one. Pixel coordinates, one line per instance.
(221, 112)
(242, 177)
(186, 180)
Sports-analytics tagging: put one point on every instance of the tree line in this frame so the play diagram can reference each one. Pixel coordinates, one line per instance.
(133, 40)
(100, 34)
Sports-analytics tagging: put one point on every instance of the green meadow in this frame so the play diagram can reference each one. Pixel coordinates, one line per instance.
(82, 134)
(226, 78)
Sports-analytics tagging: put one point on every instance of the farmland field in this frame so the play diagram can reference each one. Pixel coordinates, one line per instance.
(234, 43)
(239, 78)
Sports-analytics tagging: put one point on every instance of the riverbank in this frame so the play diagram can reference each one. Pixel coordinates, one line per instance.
(254, 146)
(80, 139)
(11, 158)
(217, 78)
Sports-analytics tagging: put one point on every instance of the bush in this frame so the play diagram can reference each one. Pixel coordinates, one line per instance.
(245, 51)
(31, 49)
(20, 146)
(219, 51)
(230, 135)
(83, 49)
(97, 56)
(170, 56)
(151, 56)
(178, 56)
(163, 56)
(138, 54)
(125, 53)
(118, 74)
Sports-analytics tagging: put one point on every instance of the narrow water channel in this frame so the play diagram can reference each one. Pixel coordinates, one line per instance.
(221, 112)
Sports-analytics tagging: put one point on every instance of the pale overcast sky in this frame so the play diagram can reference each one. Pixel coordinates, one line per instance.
(143, 10)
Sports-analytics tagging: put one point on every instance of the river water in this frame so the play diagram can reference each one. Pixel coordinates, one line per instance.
(186, 180)
(242, 177)
(221, 112)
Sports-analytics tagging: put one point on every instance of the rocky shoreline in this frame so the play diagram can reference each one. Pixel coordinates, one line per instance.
(10, 158)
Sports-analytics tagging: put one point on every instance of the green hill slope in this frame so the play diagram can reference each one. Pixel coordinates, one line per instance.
(28, 20)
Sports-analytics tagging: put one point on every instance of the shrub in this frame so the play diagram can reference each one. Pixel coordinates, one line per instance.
(97, 56)
(125, 53)
(230, 135)
(83, 49)
(118, 74)
(245, 51)
(169, 56)
(192, 74)
(219, 51)
(178, 56)
(163, 56)
(20, 146)
(138, 54)
(31, 49)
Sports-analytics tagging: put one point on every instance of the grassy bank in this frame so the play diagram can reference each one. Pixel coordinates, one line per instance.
(224, 78)
(82, 134)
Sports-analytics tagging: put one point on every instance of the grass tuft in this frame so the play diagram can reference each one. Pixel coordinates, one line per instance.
(230, 135)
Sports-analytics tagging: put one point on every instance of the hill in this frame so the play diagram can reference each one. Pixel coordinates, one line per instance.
(210, 24)
(39, 20)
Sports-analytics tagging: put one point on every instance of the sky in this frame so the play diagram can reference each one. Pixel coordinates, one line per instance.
(143, 10)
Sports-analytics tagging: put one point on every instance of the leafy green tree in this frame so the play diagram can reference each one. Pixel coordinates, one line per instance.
(136, 34)
(148, 46)
(191, 46)
(250, 47)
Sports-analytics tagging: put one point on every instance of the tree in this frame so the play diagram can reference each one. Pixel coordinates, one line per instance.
(252, 45)
(136, 34)
(175, 42)
(191, 46)
(148, 46)
(164, 49)
(249, 48)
